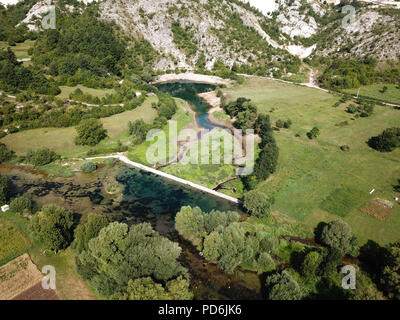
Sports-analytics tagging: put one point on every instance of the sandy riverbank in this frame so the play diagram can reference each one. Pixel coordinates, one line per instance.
(201, 78)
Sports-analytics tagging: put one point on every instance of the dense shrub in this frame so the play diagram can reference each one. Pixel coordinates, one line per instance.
(5, 154)
(257, 203)
(120, 253)
(4, 190)
(41, 157)
(314, 133)
(282, 286)
(53, 226)
(89, 230)
(90, 132)
(88, 167)
(387, 141)
(337, 235)
(21, 206)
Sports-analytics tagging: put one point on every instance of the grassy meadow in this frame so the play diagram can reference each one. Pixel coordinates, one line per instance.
(184, 117)
(315, 180)
(392, 95)
(20, 49)
(12, 242)
(70, 285)
(61, 140)
(100, 93)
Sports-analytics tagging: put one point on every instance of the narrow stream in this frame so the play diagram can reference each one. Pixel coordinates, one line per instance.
(188, 91)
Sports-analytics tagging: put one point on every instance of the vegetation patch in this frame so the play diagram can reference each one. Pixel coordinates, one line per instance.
(18, 276)
(377, 209)
(342, 201)
(12, 242)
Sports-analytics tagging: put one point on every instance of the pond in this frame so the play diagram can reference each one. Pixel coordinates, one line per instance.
(188, 91)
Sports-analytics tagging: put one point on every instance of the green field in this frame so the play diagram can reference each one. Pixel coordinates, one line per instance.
(392, 95)
(100, 93)
(19, 240)
(20, 49)
(184, 117)
(316, 176)
(12, 242)
(61, 140)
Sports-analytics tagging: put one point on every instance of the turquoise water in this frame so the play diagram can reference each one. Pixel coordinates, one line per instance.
(162, 196)
(188, 91)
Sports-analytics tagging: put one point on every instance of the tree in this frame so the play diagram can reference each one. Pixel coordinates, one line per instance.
(138, 130)
(88, 167)
(387, 141)
(148, 289)
(265, 262)
(4, 190)
(210, 247)
(189, 222)
(310, 265)
(41, 157)
(5, 154)
(231, 247)
(267, 161)
(90, 132)
(257, 203)
(281, 286)
(390, 279)
(338, 235)
(314, 133)
(53, 226)
(21, 206)
(89, 230)
(121, 253)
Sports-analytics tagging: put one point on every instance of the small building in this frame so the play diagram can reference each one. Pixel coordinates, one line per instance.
(5, 208)
(138, 94)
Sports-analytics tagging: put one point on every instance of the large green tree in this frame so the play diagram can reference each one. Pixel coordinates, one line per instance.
(89, 230)
(282, 286)
(337, 235)
(121, 253)
(148, 289)
(90, 132)
(54, 227)
(257, 203)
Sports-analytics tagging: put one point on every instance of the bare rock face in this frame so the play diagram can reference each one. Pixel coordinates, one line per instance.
(296, 28)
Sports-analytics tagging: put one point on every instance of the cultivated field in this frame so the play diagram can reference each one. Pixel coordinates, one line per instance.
(315, 180)
(12, 242)
(392, 95)
(61, 140)
(18, 276)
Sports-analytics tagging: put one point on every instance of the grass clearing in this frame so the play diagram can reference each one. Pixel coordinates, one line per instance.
(184, 117)
(70, 285)
(392, 95)
(20, 49)
(100, 93)
(61, 140)
(309, 171)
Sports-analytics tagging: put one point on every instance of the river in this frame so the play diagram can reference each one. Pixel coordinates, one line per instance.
(188, 91)
(144, 197)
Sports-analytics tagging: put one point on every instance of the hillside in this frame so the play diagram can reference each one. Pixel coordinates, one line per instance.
(220, 34)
